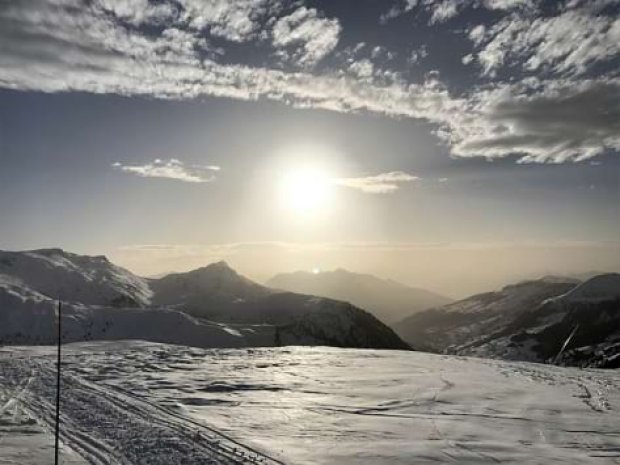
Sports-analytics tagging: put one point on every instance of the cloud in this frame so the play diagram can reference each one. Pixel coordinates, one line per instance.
(564, 113)
(312, 36)
(171, 169)
(444, 10)
(559, 122)
(476, 34)
(417, 55)
(137, 12)
(363, 68)
(400, 8)
(383, 183)
(564, 44)
(441, 11)
(83, 50)
(237, 21)
(509, 4)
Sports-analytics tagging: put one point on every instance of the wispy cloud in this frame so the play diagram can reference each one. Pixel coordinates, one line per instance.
(171, 169)
(312, 36)
(566, 44)
(383, 183)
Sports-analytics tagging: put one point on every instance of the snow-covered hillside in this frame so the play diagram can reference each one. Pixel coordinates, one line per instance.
(135, 403)
(209, 307)
(545, 321)
(581, 327)
(479, 316)
(388, 300)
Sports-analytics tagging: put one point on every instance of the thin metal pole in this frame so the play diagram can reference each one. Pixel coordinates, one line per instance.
(58, 383)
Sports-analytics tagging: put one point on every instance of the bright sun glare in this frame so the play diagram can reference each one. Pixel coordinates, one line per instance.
(306, 190)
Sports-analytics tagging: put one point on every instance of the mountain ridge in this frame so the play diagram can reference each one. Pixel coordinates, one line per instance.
(387, 299)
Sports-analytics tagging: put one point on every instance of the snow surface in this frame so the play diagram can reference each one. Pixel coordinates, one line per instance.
(135, 402)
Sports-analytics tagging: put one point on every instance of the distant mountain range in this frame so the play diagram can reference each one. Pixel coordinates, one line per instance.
(209, 307)
(554, 319)
(388, 300)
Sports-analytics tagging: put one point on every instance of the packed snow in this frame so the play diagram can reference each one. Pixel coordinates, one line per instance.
(143, 403)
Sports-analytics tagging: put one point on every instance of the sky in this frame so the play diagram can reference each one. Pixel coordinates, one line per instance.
(453, 145)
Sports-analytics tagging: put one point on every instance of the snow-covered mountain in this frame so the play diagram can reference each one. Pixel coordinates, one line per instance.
(209, 292)
(547, 320)
(217, 292)
(388, 300)
(209, 307)
(580, 327)
(75, 278)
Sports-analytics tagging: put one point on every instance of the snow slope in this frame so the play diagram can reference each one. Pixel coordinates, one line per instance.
(388, 300)
(136, 403)
(27, 317)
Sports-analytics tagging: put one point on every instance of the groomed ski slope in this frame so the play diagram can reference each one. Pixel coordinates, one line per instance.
(142, 403)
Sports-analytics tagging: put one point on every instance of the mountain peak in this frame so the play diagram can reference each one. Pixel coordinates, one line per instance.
(218, 268)
(222, 264)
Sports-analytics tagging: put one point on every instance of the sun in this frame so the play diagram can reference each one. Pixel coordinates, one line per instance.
(306, 190)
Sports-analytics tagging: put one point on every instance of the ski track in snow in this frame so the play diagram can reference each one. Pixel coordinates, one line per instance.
(110, 427)
(129, 403)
